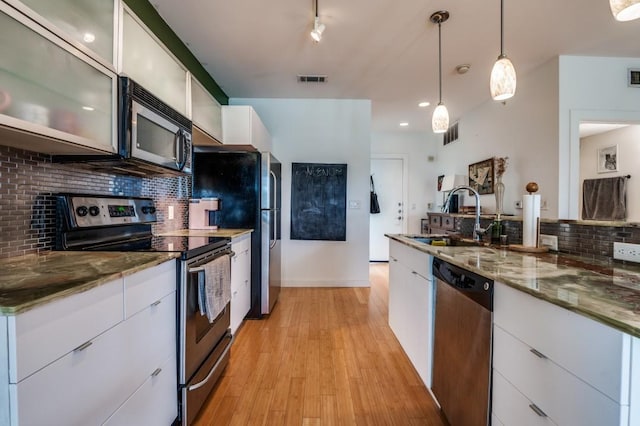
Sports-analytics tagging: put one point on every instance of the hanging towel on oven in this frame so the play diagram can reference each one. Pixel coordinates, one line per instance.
(604, 199)
(215, 290)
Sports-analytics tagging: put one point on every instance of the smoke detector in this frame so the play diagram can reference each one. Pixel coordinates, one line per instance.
(463, 68)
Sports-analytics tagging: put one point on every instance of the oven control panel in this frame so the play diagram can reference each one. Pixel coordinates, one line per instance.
(88, 211)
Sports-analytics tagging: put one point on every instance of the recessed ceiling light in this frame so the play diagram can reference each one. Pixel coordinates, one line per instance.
(89, 37)
(424, 104)
(404, 124)
(88, 108)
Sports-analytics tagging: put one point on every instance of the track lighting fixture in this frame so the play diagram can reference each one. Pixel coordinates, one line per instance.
(625, 10)
(503, 74)
(318, 28)
(440, 118)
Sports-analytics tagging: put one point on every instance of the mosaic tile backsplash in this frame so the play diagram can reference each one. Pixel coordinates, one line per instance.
(28, 181)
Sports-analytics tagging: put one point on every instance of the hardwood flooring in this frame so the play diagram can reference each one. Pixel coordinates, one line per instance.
(325, 356)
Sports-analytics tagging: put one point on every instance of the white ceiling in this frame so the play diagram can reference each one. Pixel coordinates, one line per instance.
(387, 50)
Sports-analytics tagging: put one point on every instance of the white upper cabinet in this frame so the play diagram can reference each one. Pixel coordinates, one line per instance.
(149, 63)
(206, 112)
(241, 125)
(89, 24)
(51, 89)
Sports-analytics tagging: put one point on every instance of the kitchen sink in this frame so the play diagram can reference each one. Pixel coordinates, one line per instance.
(439, 240)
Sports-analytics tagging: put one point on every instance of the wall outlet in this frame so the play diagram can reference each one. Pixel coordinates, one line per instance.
(518, 204)
(170, 213)
(354, 204)
(543, 204)
(550, 241)
(626, 251)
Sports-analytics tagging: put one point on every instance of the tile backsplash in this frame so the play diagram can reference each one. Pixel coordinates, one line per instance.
(28, 181)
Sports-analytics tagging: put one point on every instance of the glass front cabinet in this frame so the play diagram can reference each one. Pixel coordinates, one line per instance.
(52, 89)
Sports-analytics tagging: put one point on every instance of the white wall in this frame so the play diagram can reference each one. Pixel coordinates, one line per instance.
(591, 89)
(418, 147)
(628, 141)
(322, 131)
(525, 130)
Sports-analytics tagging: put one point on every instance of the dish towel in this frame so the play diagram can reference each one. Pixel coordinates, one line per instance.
(604, 199)
(215, 290)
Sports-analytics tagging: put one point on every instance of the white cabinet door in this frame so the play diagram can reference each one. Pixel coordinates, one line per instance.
(206, 112)
(154, 403)
(89, 23)
(411, 309)
(240, 279)
(150, 64)
(73, 102)
(241, 125)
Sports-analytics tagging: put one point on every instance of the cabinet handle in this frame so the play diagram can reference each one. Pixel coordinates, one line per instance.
(538, 354)
(83, 346)
(537, 410)
(156, 372)
(156, 303)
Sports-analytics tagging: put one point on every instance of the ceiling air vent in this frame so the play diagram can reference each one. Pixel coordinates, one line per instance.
(634, 78)
(451, 134)
(312, 79)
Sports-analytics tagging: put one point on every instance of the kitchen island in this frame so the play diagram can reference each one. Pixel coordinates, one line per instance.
(565, 330)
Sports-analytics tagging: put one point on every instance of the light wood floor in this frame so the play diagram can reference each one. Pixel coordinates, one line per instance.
(325, 356)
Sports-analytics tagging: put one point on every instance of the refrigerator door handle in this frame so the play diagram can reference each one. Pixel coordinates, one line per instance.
(275, 210)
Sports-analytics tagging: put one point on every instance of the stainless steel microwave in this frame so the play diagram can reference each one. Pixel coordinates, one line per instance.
(153, 138)
(151, 131)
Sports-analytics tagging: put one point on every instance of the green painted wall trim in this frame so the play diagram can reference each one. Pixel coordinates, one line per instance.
(153, 20)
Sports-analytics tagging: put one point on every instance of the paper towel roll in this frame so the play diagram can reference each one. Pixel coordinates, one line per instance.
(530, 216)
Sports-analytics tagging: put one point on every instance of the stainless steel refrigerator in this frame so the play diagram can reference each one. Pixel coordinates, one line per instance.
(247, 183)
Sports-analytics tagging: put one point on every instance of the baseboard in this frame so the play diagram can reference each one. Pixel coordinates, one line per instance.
(341, 283)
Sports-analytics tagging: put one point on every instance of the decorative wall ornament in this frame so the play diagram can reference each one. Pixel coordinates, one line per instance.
(481, 176)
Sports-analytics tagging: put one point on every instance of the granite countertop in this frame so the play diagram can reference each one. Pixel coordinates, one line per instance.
(607, 292)
(31, 280)
(225, 233)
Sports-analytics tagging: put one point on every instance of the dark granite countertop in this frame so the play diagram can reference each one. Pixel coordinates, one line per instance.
(31, 280)
(608, 292)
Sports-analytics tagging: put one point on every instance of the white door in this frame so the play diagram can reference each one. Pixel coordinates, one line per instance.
(388, 176)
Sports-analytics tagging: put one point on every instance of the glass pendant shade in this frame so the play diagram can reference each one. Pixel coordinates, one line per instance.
(503, 79)
(318, 28)
(440, 119)
(625, 10)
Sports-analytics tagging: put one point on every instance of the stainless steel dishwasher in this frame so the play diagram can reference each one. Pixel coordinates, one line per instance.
(462, 344)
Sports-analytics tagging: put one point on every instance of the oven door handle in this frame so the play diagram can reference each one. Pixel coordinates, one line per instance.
(213, 369)
(201, 268)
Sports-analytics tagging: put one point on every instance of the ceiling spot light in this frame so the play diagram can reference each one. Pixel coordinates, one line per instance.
(404, 124)
(503, 74)
(440, 118)
(88, 108)
(318, 28)
(625, 10)
(424, 104)
(89, 37)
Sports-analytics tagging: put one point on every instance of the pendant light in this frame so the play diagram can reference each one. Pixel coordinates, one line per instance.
(625, 10)
(318, 28)
(440, 118)
(503, 74)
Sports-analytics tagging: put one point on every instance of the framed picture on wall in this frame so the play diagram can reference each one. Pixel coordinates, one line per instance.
(608, 159)
(481, 176)
(440, 182)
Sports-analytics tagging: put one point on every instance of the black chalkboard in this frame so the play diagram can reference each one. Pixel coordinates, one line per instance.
(318, 201)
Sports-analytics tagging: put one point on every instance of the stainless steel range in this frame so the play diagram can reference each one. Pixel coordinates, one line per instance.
(112, 223)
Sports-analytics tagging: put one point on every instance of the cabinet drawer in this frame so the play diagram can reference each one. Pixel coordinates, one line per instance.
(154, 403)
(44, 334)
(435, 221)
(413, 259)
(148, 286)
(561, 395)
(512, 408)
(82, 388)
(597, 354)
(448, 223)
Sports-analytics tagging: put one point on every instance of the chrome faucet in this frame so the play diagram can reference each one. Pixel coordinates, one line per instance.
(478, 232)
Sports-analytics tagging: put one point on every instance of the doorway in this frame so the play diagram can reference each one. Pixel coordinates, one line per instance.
(390, 177)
